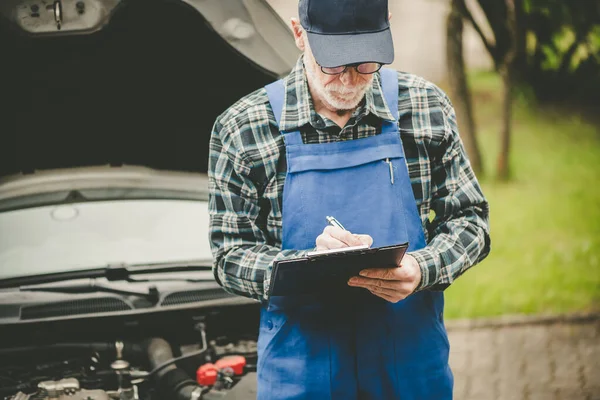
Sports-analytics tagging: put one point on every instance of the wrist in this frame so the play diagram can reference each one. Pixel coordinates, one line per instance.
(427, 262)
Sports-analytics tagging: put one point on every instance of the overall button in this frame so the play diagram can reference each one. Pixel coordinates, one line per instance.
(269, 324)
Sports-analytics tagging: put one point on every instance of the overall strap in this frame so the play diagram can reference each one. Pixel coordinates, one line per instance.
(276, 94)
(389, 86)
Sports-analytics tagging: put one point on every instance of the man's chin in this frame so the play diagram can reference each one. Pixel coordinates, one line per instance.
(341, 102)
(340, 107)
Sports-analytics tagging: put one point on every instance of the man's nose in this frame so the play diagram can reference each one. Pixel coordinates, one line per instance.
(349, 76)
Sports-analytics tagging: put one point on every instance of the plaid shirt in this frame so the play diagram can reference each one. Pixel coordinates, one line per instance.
(247, 171)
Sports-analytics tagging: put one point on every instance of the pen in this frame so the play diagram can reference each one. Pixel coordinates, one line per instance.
(334, 222)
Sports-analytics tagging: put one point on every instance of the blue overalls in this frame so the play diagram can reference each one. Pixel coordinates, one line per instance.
(359, 347)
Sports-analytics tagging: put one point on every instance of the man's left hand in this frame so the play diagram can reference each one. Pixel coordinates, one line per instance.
(391, 284)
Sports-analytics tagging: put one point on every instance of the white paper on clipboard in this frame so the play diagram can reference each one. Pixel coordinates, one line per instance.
(334, 251)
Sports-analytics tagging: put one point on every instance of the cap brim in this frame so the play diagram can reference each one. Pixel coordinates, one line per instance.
(336, 50)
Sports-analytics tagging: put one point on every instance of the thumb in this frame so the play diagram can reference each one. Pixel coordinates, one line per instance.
(365, 239)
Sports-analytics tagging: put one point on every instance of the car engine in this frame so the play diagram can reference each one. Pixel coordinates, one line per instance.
(152, 368)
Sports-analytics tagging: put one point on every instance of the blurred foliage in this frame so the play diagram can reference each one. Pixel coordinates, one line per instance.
(557, 46)
(561, 55)
(545, 233)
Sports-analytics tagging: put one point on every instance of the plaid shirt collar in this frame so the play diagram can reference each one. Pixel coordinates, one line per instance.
(299, 111)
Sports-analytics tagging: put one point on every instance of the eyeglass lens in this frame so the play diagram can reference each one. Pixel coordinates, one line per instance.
(364, 68)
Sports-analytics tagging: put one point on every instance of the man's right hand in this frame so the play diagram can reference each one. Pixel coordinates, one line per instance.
(337, 238)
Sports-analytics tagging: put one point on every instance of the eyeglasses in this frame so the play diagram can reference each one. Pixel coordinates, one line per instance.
(362, 68)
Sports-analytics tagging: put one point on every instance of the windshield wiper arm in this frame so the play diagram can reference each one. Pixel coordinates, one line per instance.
(116, 272)
(124, 272)
(91, 286)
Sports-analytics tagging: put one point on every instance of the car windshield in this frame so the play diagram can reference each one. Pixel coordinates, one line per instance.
(76, 236)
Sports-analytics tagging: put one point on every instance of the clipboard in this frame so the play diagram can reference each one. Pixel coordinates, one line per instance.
(330, 270)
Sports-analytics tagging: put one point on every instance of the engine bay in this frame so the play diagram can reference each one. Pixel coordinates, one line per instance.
(180, 355)
(128, 83)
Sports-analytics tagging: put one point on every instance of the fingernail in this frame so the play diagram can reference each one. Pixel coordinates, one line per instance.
(363, 273)
(353, 280)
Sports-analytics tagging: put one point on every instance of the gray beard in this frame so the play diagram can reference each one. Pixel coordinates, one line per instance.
(325, 94)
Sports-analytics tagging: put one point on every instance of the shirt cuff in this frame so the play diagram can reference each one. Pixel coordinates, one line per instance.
(283, 255)
(430, 264)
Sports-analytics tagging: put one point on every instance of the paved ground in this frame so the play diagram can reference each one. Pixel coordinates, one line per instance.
(526, 360)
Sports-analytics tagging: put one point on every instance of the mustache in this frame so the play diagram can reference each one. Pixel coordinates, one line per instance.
(343, 90)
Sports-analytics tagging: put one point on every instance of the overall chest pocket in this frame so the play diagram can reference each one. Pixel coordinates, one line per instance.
(345, 154)
(358, 181)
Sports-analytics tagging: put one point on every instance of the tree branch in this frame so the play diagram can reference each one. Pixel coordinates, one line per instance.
(469, 16)
(511, 24)
(567, 57)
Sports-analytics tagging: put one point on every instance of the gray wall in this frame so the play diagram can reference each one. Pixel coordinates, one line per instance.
(419, 30)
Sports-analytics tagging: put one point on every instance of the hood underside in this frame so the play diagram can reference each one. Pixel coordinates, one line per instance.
(142, 87)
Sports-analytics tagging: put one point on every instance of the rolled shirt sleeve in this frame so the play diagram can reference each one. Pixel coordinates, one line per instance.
(459, 234)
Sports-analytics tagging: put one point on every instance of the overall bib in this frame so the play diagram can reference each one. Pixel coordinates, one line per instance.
(359, 347)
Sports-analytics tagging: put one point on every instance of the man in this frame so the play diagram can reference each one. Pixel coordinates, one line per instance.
(378, 150)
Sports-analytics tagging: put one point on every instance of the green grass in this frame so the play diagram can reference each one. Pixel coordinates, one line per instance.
(545, 222)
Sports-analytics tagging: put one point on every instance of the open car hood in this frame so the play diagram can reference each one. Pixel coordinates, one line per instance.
(129, 82)
(251, 27)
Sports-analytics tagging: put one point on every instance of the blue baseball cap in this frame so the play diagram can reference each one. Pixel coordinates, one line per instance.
(342, 32)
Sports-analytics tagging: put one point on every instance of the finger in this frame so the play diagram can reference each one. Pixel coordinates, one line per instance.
(325, 242)
(382, 291)
(400, 287)
(365, 239)
(404, 288)
(373, 282)
(391, 274)
(405, 274)
(391, 299)
(399, 292)
(342, 235)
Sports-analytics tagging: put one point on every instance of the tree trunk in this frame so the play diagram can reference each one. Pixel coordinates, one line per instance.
(520, 64)
(506, 72)
(461, 95)
(503, 156)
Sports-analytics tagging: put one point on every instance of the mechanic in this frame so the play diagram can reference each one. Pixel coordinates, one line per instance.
(378, 149)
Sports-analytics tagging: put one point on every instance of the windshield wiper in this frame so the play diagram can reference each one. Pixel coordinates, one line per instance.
(91, 286)
(115, 272)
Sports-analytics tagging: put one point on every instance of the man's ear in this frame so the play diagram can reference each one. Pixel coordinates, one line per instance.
(298, 34)
(389, 15)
